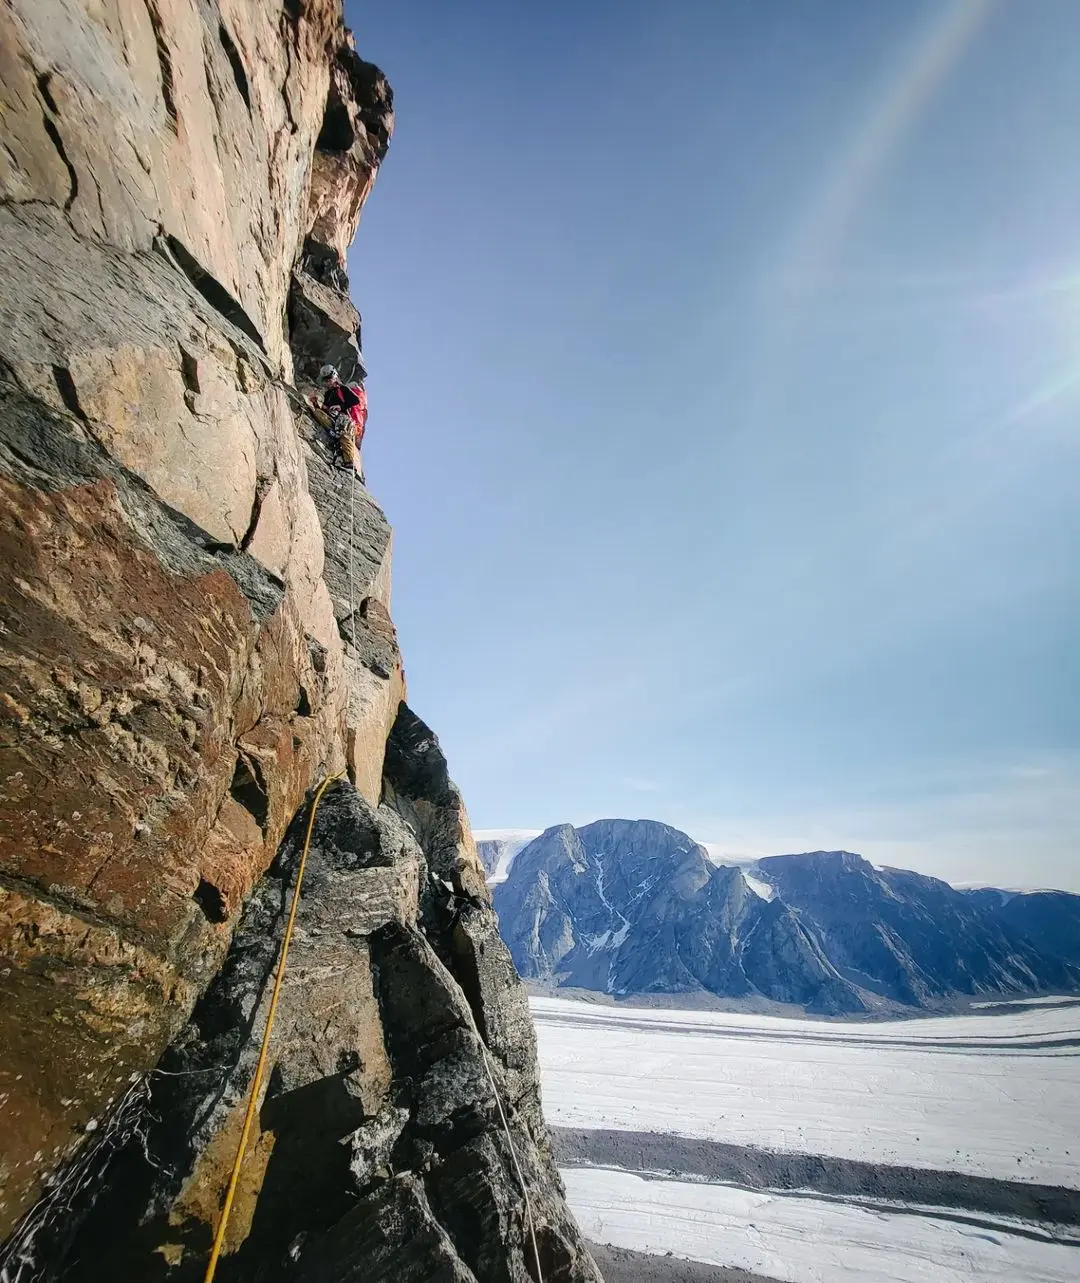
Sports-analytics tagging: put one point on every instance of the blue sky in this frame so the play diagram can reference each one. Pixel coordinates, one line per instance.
(725, 399)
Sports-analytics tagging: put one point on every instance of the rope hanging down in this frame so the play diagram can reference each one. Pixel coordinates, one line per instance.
(260, 1068)
(352, 596)
(517, 1165)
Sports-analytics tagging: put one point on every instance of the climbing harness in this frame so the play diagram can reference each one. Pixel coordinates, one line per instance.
(260, 1067)
(517, 1165)
(346, 431)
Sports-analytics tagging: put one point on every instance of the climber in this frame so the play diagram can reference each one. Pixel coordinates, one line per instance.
(347, 406)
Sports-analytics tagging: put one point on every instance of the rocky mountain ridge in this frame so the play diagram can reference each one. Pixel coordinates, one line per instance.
(636, 907)
(913, 938)
(195, 618)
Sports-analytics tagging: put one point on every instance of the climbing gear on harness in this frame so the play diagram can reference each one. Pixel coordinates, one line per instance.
(348, 440)
(346, 436)
(260, 1067)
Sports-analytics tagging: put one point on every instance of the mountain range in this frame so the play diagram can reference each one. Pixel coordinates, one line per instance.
(637, 907)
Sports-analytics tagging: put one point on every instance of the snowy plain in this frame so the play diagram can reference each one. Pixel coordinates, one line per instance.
(804, 1240)
(995, 1095)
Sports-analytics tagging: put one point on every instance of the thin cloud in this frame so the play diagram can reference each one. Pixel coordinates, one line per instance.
(967, 828)
(981, 464)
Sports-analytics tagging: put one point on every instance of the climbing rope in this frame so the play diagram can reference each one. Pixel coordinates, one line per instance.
(517, 1165)
(352, 593)
(260, 1068)
(219, 1237)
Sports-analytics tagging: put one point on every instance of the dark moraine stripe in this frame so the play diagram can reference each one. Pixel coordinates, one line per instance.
(847, 1178)
(620, 1265)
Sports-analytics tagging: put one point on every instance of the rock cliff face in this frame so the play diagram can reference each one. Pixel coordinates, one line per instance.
(194, 610)
(1049, 918)
(497, 854)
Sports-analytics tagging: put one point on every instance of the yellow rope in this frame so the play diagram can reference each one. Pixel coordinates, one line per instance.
(223, 1224)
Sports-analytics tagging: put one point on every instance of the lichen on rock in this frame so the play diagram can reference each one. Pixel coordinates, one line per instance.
(196, 630)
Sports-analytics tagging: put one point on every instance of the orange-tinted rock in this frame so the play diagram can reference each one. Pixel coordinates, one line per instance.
(164, 703)
(195, 630)
(354, 137)
(127, 673)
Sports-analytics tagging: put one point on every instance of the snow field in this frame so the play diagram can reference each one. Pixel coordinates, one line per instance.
(803, 1240)
(993, 1095)
(515, 841)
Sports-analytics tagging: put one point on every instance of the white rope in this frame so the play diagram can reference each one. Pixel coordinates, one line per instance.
(513, 1155)
(351, 678)
(74, 1181)
(483, 1048)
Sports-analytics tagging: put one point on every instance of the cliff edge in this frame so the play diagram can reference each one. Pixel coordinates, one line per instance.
(195, 618)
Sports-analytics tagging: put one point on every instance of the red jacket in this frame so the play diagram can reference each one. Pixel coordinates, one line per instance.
(352, 399)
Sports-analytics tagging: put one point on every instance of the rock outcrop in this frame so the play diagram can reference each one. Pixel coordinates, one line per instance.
(489, 853)
(194, 613)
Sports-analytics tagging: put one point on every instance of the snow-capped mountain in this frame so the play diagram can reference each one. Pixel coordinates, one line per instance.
(634, 906)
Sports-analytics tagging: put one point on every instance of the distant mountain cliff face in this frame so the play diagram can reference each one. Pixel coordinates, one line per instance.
(636, 907)
(195, 631)
(910, 937)
(630, 907)
(491, 851)
(1049, 918)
